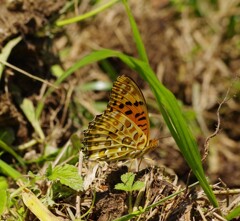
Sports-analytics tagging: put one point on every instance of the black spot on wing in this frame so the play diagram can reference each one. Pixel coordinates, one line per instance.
(142, 118)
(121, 106)
(142, 125)
(139, 114)
(129, 103)
(136, 103)
(128, 112)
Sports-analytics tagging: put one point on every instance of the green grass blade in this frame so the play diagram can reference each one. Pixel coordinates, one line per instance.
(9, 171)
(10, 150)
(108, 68)
(234, 213)
(87, 15)
(136, 35)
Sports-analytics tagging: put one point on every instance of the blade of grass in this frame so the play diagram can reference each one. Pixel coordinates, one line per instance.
(234, 213)
(87, 15)
(10, 150)
(108, 68)
(136, 35)
(9, 171)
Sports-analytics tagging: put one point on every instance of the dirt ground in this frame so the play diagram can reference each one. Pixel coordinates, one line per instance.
(194, 51)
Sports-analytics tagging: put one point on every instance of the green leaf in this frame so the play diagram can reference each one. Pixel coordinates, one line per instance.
(121, 186)
(29, 111)
(3, 194)
(138, 185)
(108, 68)
(170, 110)
(67, 175)
(128, 184)
(128, 178)
(234, 213)
(57, 70)
(3, 201)
(7, 50)
(49, 170)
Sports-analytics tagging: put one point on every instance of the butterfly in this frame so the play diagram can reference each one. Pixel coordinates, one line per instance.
(122, 131)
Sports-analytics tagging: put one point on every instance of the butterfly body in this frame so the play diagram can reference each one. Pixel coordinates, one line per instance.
(122, 131)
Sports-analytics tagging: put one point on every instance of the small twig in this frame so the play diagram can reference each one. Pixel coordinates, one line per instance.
(27, 74)
(66, 104)
(234, 204)
(217, 216)
(62, 152)
(227, 189)
(78, 198)
(201, 213)
(206, 145)
(226, 192)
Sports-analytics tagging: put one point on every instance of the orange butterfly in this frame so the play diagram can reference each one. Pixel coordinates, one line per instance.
(122, 131)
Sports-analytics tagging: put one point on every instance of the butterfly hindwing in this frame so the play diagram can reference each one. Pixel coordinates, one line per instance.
(112, 135)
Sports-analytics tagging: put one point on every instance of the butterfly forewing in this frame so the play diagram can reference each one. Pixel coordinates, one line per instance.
(127, 98)
(122, 131)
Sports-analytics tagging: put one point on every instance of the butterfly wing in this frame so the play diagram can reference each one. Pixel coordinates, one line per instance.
(122, 131)
(112, 136)
(127, 98)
